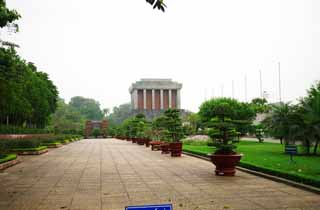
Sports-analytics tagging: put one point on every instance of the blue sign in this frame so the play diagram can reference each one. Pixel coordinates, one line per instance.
(150, 207)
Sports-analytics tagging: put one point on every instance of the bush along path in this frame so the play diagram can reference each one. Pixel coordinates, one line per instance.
(270, 158)
(10, 149)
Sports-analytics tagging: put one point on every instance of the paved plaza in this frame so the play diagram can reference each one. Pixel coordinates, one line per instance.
(108, 174)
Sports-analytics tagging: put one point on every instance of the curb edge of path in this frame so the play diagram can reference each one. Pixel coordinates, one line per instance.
(268, 176)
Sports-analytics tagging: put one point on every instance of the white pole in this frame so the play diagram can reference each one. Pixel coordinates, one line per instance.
(221, 90)
(245, 88)
(279, 71)
(232, 89)
(261, 93)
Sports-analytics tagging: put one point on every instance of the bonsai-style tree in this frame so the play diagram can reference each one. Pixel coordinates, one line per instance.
(220, 116)
(148, 132)
(173, 125)
(260, 105)
(158, 128)
(134, 127)
(259, 132)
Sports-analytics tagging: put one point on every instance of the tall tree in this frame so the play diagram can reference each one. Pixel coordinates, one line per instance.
(7, 16)
(120, 113)
(87, 107)
(26, 95)
(66, 119)
(159, 4)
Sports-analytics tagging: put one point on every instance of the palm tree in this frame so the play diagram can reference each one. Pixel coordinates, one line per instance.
(278, 122)
(299, 128)
(311, 116)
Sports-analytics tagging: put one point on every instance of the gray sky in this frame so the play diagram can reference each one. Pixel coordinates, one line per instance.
(97, 48)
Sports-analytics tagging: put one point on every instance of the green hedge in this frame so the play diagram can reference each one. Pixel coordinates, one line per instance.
(10, 129)
(11, 144)
(8, 157)
(297, 178)
(29, 149)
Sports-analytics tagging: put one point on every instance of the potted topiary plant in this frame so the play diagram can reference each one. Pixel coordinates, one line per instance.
(138, 126)
(173, 125)
(220, 116)
(165, 143)
(148, 133)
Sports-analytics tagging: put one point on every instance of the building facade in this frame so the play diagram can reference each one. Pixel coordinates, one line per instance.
(91, 125)
(155, 94)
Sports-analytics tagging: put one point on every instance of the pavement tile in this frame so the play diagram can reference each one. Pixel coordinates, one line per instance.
(111, 174)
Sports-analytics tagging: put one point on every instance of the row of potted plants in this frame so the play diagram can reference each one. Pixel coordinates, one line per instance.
(175, 148)
(220, 118)
(163, 133)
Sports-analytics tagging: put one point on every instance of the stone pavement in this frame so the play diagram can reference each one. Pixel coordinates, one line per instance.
(108, 174)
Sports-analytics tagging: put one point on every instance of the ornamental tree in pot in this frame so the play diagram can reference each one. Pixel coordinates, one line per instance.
(219, 116)
(174, 128)
(148, 133)
(139, 124)
(165, 144)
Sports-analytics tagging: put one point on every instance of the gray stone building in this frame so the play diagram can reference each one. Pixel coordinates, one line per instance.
(155, 94)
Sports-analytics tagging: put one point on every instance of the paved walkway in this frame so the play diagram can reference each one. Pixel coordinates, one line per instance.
(110, 174)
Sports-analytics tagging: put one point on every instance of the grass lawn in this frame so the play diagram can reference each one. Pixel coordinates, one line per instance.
(270, 158)
(8, 157)
(30, 149)
(52, 143)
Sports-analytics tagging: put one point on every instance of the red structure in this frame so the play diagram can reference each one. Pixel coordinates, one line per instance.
(91, 125)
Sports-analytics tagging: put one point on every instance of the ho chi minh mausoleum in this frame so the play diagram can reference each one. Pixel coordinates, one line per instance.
(152, 96)
(155, 94)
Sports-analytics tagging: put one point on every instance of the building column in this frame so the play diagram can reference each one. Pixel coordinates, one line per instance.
(153, 100)
(161, 98)
(144, 98)
(170, 99)
(178, 99)
(135, 98)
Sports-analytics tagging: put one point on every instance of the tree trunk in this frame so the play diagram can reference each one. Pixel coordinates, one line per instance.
(308, 146)
(316, 147)
(281, 140)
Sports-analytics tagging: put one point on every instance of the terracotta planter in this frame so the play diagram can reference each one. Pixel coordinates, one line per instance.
(147, 142)
(176, 149)
(155, 145)
(165, 148)
(140, 141)
(134, 140)
(225, 164)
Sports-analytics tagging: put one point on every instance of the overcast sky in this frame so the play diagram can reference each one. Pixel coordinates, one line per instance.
(97, 48)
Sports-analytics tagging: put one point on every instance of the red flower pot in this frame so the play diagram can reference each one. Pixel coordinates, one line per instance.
(225, 164)
(134, 140)
(147, 142)
(140, 141)
(155, 145)
(176, 149)
(165, 148)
